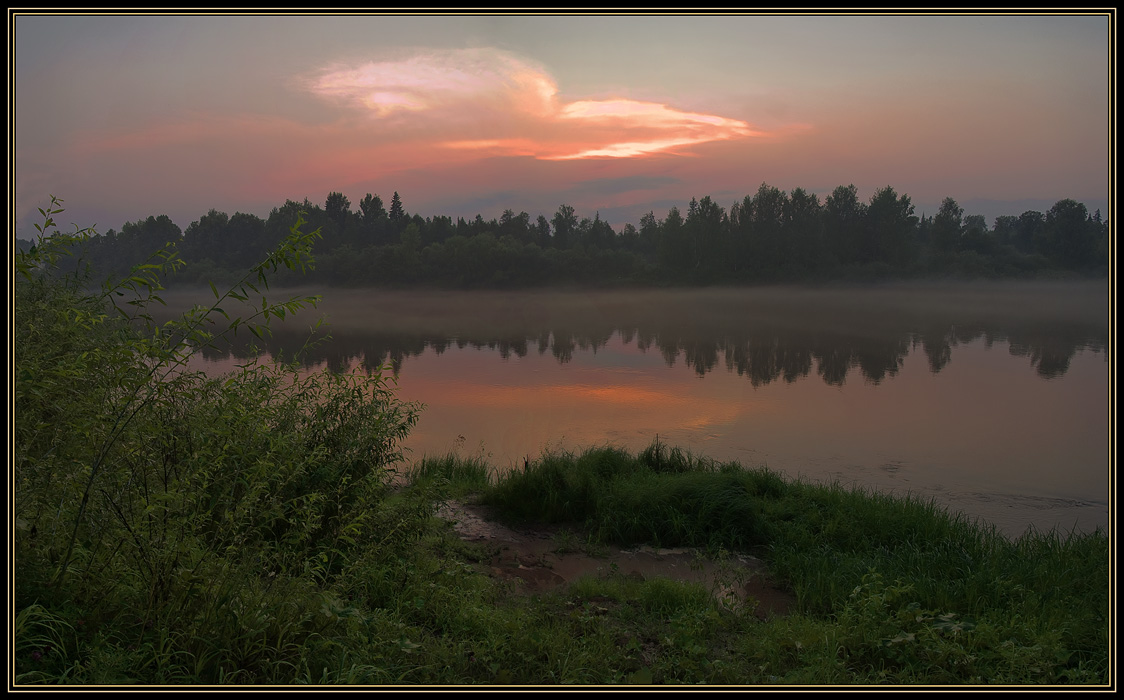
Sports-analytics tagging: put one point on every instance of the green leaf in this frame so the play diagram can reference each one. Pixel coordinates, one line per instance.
(407, 646)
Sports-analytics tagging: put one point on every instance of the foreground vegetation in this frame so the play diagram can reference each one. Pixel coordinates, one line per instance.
(173, 528)
(888, 590)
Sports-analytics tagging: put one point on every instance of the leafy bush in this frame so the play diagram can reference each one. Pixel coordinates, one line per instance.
(170, 526)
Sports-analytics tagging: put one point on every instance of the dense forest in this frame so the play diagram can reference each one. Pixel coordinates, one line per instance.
(771, 236)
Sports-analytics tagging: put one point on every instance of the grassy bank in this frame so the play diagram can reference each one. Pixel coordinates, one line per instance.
(169, 527)
(889, 590)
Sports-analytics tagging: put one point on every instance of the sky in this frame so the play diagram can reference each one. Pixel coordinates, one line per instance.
(124, 117)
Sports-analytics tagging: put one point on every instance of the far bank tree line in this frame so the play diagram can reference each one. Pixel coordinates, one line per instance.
(768, 237)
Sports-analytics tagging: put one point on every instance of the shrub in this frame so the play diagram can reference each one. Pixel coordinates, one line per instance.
(184, 526)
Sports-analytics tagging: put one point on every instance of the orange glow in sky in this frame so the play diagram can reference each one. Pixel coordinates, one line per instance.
(444, 86)
(132, 115)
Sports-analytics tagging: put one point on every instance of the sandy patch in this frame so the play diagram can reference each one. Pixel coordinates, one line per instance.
(543, 559)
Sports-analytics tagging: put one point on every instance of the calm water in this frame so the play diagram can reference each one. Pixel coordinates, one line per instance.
(992, 399)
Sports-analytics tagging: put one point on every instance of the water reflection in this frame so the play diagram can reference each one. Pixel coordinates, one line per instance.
(989, 399)
(748, 336)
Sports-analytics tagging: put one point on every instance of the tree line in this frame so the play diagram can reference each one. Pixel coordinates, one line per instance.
(771, 236)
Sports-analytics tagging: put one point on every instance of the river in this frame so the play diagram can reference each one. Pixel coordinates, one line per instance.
(990, 398)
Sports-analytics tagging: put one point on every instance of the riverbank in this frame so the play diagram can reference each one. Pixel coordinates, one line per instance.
(548, 558)
(878, 589)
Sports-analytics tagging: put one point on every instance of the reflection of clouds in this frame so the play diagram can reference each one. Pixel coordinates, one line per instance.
(447, 86)
(668, 406)
(618, 395)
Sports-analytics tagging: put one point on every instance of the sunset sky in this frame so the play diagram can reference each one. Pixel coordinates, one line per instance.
(129, 116)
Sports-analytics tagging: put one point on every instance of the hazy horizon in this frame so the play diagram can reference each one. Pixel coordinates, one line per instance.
(124, 117)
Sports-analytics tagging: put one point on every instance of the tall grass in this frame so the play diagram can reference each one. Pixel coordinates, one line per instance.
(459, 476)
(903, 575)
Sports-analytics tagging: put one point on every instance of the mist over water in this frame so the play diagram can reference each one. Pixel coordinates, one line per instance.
(990, 398)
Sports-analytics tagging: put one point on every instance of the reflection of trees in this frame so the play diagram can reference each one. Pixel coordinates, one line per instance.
(761, 351)
(1049, 350)
(512, 345)
(881, 357)
(701, 356)
(759, 358)
(771, 357)
(543, 341)
(937, 347)
(832, 363)
(563, 346)
(1049, 356)
(753, 360)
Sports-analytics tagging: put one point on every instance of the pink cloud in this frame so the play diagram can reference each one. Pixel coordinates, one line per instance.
(505, 93)
(479, 116)
(438, 79)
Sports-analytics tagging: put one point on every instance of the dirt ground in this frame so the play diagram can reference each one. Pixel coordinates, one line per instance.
(543, 559)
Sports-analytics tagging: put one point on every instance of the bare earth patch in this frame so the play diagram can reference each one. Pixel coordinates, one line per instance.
(543, 559)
